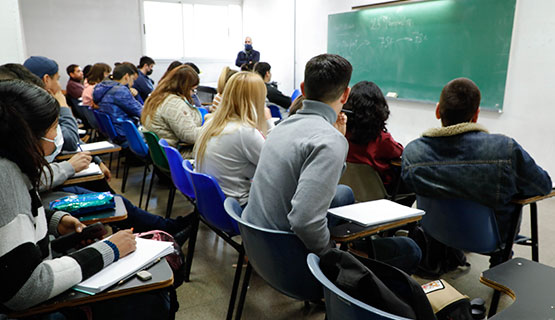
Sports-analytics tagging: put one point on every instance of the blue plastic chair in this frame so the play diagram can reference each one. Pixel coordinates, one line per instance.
(295, 94)
(274, 110)
(139, 148)
(467, 225)
(279, 257)
(340, 305)
(210, 204)
(203, 113)
(107, 128)
(183, 183)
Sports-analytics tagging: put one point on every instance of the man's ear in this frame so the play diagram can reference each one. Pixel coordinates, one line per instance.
(475, 116)
(302, 88)
(345, 95)
(438, 114)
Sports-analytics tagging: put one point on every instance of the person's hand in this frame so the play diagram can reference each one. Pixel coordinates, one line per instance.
(134, 91)
(59, 96)
(105, 171)
(68, 224)
(267, 113)
(341, 123)
(125, 241)
(80, 161)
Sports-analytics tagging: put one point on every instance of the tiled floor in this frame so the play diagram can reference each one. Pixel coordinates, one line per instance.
(207, 295)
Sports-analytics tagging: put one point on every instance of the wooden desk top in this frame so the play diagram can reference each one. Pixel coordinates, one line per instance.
(94, 177)
(162, 276)
(527, 282)
(106, 216)
(534, 199)
(351, 231)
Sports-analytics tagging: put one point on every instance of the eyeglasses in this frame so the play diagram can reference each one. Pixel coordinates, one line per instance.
(194, 91)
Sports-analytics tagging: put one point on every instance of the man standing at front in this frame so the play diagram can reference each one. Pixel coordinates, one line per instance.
(301, 162)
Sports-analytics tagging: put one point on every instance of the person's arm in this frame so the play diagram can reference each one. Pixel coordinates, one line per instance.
(388, 149)
(61, 171)
(256, 57)
(241, 59)
(531, 179)
(125, 101)
(179, 119)
(315, 190)
(70, 130)
(275, 96)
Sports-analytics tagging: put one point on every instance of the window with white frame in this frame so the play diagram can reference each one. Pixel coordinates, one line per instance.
(187, 29)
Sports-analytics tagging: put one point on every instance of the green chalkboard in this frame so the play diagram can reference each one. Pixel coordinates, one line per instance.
(414, 49)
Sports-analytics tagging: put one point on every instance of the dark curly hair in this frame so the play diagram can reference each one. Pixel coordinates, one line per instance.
(370, 112)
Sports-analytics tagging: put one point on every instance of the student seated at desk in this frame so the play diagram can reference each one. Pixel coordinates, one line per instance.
(230, 143)
(99, 71)
(114, 98)
(369, 141)
(302, 160)
(222, 80)
(29, 116)
(169, 111)
(463, 160)
(274, 95)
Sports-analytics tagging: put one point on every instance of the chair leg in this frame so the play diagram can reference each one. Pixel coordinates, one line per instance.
(110, 165)
(169, 207)
(117, 166)
(494, 303)
(235, 287)
(534, 227)
(149, 189)
(191, 246)
(143, 184)
(241, 303)
(125, 175)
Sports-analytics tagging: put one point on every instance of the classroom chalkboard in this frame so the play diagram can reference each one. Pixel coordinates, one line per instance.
(414, 49)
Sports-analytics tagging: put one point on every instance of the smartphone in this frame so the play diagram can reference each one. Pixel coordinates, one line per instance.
(74, 239)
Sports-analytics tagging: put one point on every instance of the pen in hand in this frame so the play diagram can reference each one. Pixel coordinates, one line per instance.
(79, 146)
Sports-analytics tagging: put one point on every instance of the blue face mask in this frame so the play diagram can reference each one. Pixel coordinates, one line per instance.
(58, 142)
(248, 47)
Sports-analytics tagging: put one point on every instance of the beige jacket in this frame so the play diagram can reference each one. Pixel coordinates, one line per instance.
(177, 121)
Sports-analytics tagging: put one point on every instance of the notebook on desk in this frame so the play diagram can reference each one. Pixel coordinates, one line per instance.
(95, 146)
(373, 213)
(92, 170)
(147, 252)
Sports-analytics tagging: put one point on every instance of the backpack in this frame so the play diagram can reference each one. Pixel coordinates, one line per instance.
(437, 258)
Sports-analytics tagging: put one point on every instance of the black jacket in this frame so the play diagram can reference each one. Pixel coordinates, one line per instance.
(275, 96)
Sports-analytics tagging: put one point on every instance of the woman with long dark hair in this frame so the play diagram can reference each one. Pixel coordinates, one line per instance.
(369, 141)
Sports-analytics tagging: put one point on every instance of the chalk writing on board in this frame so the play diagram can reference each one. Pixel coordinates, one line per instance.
(385, 22)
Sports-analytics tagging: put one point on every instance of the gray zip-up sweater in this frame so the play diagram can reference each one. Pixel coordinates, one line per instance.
(297, 175)
(28, 273)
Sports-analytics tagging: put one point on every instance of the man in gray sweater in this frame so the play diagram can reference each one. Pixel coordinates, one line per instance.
(301, 162)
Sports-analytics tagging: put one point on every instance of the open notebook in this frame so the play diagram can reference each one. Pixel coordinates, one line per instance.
(92, 170)
(147, 251)
(95, 146)
(373, 213)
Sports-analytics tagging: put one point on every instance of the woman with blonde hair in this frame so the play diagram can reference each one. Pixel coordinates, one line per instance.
(230, 143)
(169, 110)
(222, 80)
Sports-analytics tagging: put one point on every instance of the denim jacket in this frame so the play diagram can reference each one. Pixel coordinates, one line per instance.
(465, 161)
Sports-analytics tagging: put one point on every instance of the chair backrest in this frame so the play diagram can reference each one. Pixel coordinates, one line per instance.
(206, 94)
(461, 224)
(136, 143)
(210, 201)
(340, 305)
(364, 181)
(295, 94)
(274, 110)
(157, 154)
(180, 178)
(279, 257)
(106, 126)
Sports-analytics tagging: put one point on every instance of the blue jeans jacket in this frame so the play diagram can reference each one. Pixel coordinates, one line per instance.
(465, 161)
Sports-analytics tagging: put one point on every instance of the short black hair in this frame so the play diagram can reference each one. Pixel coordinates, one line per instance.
(121, 70)
(194, 66)
(326, 77)
(11, 71)
(459, 100)
(71, 68)
(86, 70)
(145, 60)
(261, 68)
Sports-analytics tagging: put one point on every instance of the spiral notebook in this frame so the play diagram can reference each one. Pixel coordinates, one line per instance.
(147, 252)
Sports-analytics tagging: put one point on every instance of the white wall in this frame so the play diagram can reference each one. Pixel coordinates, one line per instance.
(82, 32)
(11, 34)
(529, 109)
